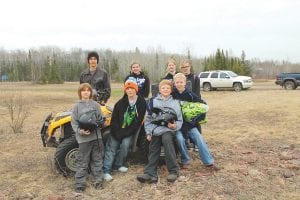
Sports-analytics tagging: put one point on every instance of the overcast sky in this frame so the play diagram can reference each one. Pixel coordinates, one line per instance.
(264, 29)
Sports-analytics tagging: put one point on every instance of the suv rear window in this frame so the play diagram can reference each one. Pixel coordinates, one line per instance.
(214, 75)
(204, 75)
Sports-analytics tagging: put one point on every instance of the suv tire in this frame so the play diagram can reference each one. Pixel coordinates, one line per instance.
(237, 87)
(289, 85)
(207, 87)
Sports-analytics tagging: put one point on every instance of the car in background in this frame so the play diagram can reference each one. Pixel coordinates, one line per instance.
(212, 80)
(290, 81)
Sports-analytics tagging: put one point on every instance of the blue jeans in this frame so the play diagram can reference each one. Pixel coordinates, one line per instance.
(198, 139)
(115, 153)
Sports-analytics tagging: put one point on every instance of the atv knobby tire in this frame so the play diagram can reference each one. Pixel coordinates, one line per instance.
(65, 156)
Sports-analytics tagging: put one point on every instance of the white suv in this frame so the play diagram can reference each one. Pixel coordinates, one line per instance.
(210, 80)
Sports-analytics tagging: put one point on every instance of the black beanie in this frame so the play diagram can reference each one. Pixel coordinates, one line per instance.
(93, 54)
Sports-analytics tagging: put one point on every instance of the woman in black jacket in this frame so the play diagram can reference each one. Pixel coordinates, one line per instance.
(140, 78)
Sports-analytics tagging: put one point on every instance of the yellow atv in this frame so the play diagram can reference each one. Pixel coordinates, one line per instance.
(66, 145)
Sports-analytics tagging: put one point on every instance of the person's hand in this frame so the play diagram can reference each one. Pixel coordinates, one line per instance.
(149, 138)
(172, 125)
(84, 132)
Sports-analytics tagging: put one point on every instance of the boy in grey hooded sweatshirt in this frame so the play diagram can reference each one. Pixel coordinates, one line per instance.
(162, 134)
(90, 141)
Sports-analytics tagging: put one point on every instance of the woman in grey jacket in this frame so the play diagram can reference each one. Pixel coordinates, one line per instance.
(90, 141)
(161, 134)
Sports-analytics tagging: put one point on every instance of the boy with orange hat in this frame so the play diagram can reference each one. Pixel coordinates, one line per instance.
(127, 117)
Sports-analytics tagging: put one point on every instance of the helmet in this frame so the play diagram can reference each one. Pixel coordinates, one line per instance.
(88, 121)
(164, 116)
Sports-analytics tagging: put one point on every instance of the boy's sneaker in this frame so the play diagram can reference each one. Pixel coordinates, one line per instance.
(189, 145)
(98, 185)
(171, 177)
(196, 148)
(214, 167)
(185, 166)
(146, 178)
(79, 189)
(107, 177)
(123, 169)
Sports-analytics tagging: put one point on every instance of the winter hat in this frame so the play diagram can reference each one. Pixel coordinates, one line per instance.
(93, 54)
(131, 84)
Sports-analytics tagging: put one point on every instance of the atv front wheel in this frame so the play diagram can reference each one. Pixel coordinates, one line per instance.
(65, 156)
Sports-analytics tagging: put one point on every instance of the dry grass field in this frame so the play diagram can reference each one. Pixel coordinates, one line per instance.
(253, 135)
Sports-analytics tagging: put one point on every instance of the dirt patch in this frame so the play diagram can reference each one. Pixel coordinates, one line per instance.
(252, 135)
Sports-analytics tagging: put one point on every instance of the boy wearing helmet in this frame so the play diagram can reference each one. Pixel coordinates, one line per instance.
(97, 78)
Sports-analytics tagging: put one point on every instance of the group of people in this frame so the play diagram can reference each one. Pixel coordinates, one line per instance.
(131, 113)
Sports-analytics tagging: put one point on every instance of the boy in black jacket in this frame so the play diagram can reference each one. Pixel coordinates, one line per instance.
(183, 94)
(127, 117)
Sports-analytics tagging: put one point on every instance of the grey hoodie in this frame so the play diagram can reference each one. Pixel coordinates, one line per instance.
(159, 102)
(82, 107)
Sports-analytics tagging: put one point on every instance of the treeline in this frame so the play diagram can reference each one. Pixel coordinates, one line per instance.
(222, 61)
(54, 65)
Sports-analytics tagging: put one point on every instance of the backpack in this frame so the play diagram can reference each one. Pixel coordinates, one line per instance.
(194, 112)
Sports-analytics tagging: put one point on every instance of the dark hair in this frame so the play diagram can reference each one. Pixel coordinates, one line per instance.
(93, 54)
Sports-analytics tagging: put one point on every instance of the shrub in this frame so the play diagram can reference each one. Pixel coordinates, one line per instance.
(17, 111)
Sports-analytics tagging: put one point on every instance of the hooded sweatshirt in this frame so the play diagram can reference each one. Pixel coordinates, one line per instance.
(142, 81)
(80, 108)
(159, 102)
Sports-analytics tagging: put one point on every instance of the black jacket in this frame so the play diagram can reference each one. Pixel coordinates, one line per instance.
(99, 81)
(195, 83)
(118, 117)
(142, 81)
(169, 76)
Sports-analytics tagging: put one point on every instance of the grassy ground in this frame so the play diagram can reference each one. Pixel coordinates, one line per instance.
(253, 134)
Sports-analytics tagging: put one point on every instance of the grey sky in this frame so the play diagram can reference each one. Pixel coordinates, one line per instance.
(268, 29)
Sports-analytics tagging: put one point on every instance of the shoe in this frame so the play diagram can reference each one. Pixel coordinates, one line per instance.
(79, 189)
(185, 166)
(98, 185)
(214, 167)
(123, 169)
(196, 148)
(172, 177)
(146, 178)
(107, 177)
(189, 145)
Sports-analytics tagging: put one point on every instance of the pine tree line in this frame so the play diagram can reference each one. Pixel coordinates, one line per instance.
(222, 61)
